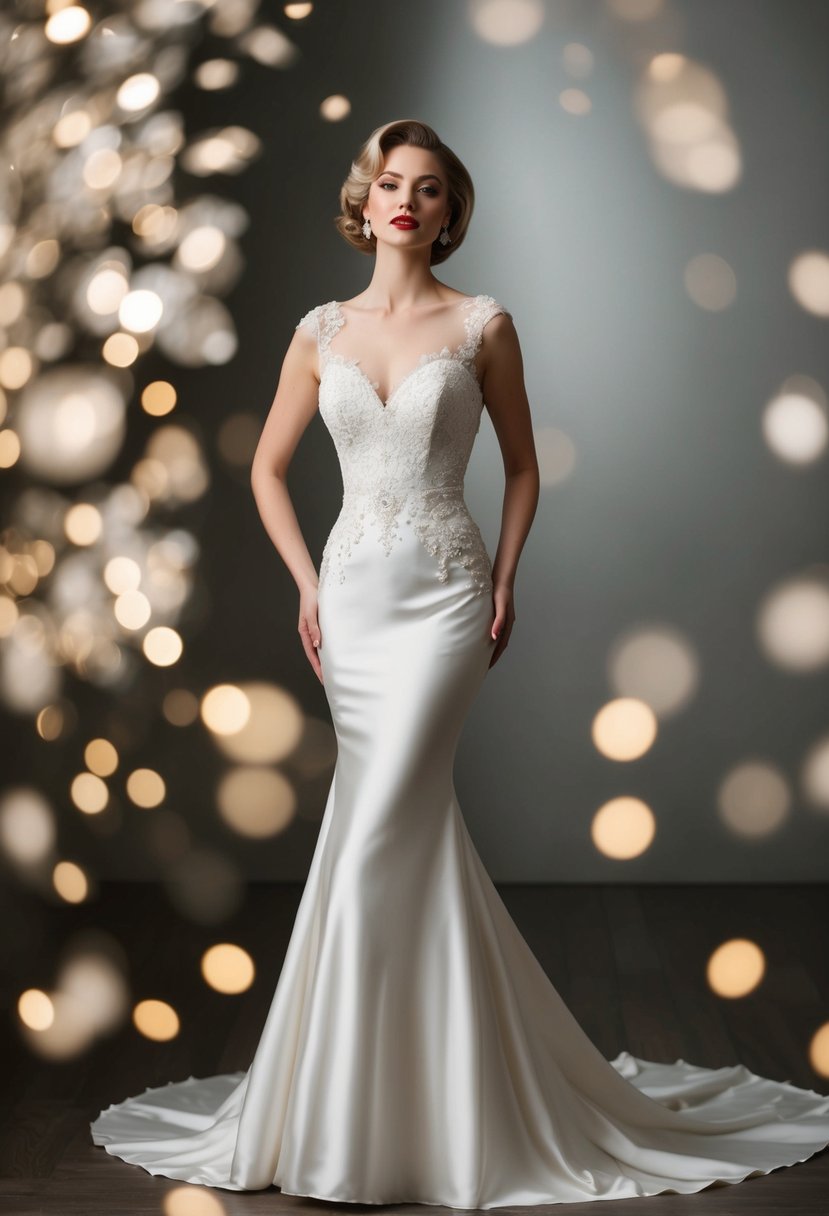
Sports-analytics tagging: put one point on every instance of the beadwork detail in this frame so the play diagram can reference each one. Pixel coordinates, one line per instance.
(405, 459)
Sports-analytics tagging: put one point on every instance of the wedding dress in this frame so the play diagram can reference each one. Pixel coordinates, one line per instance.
(415, 1050)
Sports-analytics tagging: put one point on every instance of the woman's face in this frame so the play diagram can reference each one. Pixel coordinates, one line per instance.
(412, 183)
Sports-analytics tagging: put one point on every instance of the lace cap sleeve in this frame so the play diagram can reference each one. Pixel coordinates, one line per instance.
(323, 322)
(491, 308)
(481, 310)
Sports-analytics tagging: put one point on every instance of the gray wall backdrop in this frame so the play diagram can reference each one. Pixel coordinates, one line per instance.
(676, 514)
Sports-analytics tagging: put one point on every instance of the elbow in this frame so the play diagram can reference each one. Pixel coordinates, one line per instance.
(523, 469)
(259, 473)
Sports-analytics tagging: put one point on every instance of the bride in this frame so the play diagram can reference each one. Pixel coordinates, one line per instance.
(415, 1050)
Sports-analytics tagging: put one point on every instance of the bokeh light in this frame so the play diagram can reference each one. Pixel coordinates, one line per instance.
(683, 110)
(735, 968)
(159, 398)
(556, 454)
(819, 1050)
(101, 757)
(654, 664)
(35, 1009)
(90, 998)
(710, 282)
(70, 882)
(335, 108)
(71, 422)
(256, 801)
(754, 799)
(624, 729)
(27, 825)
(192, 1200)
(228, 968)
(146, 787)
(180, 707)
(89, 793)
(163, 646)
(793, 623)
(506, 22)
(68, 24)
(156, 1020)
(815, 774)
(623, 828)
(795, 426)
(809, 281)
(256, 723)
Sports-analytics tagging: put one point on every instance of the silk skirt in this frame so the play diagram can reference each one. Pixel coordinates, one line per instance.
(414, 1049)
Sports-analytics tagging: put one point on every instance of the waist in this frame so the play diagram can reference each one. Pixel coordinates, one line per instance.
(397, 492)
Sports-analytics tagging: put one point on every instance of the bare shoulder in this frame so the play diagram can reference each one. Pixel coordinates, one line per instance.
(498, 325)
(302, 354)
(500, 348)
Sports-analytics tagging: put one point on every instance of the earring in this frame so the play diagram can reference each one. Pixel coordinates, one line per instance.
(445, 238)
(367, 229)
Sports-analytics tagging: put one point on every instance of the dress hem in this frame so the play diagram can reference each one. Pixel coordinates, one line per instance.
(693, 1189)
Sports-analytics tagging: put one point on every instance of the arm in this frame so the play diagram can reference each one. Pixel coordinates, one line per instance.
(293, 407)
(506, 400)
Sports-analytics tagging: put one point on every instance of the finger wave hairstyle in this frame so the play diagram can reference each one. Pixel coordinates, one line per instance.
(368, 165)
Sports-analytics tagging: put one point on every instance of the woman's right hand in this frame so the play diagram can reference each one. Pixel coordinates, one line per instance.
(309, 629)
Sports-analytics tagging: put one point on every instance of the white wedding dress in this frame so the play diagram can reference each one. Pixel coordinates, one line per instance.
(415, 1050)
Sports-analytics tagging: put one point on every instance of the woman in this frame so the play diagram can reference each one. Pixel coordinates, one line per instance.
(414, 1049)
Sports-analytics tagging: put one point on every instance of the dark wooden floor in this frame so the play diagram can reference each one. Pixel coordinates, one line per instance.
(629, 962)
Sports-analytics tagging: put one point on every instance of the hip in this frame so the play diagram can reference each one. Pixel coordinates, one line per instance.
(372, 583)
(400, 546)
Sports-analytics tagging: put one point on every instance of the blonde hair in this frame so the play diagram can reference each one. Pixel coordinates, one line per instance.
(368, 165)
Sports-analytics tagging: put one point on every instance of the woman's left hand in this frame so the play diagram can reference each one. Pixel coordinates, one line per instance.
(501, 628)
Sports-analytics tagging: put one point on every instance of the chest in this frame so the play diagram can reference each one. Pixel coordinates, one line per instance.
(435, 409)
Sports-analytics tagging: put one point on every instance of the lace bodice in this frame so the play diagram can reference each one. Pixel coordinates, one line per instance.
(405, 459)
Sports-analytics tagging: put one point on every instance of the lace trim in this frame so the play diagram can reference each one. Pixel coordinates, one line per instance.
(439, 517)
(438, 514)
(326, 320)
(353, 361)
(478, 310)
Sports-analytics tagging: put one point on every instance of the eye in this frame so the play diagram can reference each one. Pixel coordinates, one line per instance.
(430, 189)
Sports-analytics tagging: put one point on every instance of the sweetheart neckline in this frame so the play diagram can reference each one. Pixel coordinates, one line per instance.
(343, 361)
(423, 360)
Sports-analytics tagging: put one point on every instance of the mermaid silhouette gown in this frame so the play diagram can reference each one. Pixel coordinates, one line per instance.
(415, 1050)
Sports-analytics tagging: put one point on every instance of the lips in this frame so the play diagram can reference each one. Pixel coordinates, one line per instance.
(405, 223)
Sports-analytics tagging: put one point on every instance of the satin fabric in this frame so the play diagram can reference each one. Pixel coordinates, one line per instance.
(415, 1050)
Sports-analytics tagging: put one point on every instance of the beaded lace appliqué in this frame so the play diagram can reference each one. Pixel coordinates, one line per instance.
(405, 459)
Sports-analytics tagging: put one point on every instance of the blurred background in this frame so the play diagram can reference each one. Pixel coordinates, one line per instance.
(653, 209)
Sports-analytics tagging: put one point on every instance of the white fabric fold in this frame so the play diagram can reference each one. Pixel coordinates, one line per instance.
(414, 1049)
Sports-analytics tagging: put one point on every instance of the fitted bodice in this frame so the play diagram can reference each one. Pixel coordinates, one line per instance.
(404, 460)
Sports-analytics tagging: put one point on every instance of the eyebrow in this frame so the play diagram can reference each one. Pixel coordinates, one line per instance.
(417, 179)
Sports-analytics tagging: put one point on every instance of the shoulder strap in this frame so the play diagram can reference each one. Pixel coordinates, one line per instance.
(323, 322)
(478, 311)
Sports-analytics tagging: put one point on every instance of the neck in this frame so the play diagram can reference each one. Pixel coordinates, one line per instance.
(402, 279)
